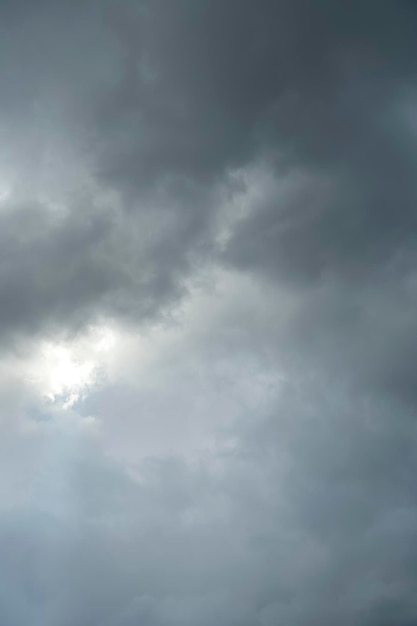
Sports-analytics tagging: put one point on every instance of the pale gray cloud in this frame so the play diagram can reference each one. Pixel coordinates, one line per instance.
(207, 313)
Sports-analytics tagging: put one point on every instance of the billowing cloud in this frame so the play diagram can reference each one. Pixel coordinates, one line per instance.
(207, 313)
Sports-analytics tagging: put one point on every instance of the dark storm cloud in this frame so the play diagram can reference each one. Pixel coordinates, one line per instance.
(207, 85)
(303, 511)
(65, 268)
(319, 88)
(177, 94)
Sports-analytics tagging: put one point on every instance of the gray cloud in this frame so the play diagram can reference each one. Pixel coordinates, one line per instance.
(310, 518)
(230, 185)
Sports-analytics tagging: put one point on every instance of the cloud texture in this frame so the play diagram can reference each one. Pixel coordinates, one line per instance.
(208, 287)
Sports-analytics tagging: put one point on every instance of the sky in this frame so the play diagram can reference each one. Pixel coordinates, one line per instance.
(208, 329)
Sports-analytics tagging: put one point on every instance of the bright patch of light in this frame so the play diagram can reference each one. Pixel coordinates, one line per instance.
(63, 372)
(6, 192)
(64, 375)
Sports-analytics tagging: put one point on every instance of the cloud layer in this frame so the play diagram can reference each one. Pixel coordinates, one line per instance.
(207, 322)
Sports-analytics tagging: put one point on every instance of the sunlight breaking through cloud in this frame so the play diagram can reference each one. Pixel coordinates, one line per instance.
(63, 372)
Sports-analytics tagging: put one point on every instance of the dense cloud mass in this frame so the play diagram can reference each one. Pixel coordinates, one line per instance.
(208, 331)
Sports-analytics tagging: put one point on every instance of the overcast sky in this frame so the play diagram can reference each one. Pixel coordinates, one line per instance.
(208, 322)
